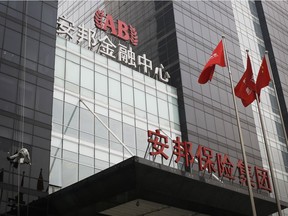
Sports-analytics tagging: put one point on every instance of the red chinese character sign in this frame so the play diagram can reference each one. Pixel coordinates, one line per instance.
(224, 166)
(183, 150)
(262, 179)
(159, 143)
(208, 162)
(122, 30)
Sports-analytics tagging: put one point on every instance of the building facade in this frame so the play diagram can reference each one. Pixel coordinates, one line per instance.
(27, 44)
(105, 83)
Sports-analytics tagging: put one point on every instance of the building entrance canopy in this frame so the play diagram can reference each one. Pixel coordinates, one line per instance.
(129, 186)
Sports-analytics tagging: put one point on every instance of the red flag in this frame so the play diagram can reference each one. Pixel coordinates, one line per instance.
(263, 77)
(245, 89)
(217, 58)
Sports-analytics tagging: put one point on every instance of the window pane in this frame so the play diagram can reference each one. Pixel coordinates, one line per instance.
(101, 84)
(86, 121)
(71, 114)
(114, 89)
(72, 72)
(59, 67)
(87, 78)
(55, 174)
(70, 173)
(163, 108)
(127, 94)
(139, 97)
(57, 111)
(151, 104)
(85, 171)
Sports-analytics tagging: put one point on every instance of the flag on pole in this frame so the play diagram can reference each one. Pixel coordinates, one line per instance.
(245, 89)
(263, 77)
(217, 58)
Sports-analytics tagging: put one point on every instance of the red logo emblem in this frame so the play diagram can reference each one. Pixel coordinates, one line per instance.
(122, 30)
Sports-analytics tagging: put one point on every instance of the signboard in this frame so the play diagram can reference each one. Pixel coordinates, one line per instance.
(104, 46)
(217, 164)
(122, 30)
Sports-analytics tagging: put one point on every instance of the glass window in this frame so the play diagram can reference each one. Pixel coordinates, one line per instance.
(71, 114)
(72, 87)
(101, 84)
(114, 159)
(87, 53)
(173, 112)
(87, 139)
(139, 98)
(114, 75)
(55, 177)
(113, 64)
(46, 55)
(87, 78)
(141, 139)
(101, 164)
(127, 94)
(48, 14)
(163, 108)
(59, 67)
(101, 143)
(100, 69)
(70, 146)
(59, 51)
(70, 173)
(100, 129)
(116, 127)
(151, 104)
(86, 121)
(73, 47)
(85, 150)
(101, 99)
(32, 46)
(57, 111)
(42, 103)
(6, 92)
(12, 41)
(85, 171)
(71, 156)
(125, 70)
(73, 58)
(114, 89)
(99, 58)
(87, 64)
(72, 72)
(129, 135)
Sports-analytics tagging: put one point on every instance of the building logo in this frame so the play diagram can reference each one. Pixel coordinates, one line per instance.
(122, 30)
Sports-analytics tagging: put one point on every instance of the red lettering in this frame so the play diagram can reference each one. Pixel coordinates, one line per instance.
(109, 23)
(204, 156)
(123, 30)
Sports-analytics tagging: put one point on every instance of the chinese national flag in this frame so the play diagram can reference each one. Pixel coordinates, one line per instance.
(263, 77)
(217, 58)
(245, 89)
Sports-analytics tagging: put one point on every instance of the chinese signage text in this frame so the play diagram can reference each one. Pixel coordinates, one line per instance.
(214, 164)
(106, 47)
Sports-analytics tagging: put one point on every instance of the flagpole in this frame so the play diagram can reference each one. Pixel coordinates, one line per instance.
(278, 103)
(269, 159)
(240, 134)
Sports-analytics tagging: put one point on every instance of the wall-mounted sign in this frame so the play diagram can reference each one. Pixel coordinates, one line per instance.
(121, 30)
(218, 164)
(106, 47)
